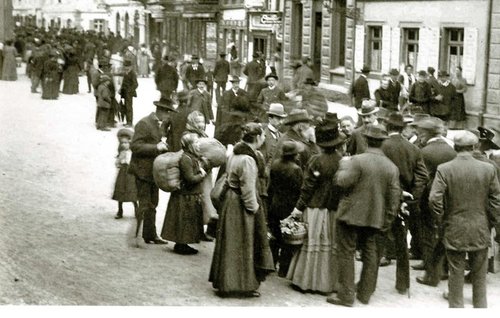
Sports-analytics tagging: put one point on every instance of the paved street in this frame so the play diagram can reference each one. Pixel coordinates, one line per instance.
(60, 244)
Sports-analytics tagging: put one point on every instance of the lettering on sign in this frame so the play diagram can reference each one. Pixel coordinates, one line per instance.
(270, 19)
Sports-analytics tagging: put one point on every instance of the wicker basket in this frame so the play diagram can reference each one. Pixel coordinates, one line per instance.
(296, 238)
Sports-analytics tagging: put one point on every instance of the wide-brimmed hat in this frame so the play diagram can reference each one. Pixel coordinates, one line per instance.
(234, 78)
(366, 69)
(422, 73)
(196, 81)
(328, 136)
(368, 107)
(290, 148)
(395, 119)
(486, 137)
(465, 138)
(418, 118)
(331, 119)
(272, 75)
(125, 132)
(393, 72)
(375, 132)
(433, 124)
(276, 109)
(309, 81)
(165, 103)
(297, 116)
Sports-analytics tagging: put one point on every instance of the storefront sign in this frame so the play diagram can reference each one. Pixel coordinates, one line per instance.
(265, 21)
(254, 3)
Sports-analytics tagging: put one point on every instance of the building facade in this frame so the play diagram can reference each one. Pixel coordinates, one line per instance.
(491, 113)
(6, 21)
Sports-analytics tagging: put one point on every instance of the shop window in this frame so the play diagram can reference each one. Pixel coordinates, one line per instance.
(374, 52)
(410, 47)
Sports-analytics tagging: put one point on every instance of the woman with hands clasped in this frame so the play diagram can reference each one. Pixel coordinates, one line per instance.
(184, 217)
(313, 268)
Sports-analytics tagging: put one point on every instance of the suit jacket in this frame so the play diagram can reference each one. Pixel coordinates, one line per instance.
(167, 78)
(192, 75)
(269, 147)
(357, 142)
(221, 70)
(129, 85)
(360, 91)
(385, 99)
(421, 95)
(301, 74)
(268, 96)
(436, 152)
(233, 111)
(408, 158)
(284, 190)
(466, 195)
(146, 136)
(254, 71)
(202, 103)
(373, 195)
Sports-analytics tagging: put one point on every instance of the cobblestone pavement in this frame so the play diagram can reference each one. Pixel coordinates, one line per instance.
(60, 244)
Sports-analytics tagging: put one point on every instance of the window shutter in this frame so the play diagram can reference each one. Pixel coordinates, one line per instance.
(428, 48)
(470, 55)
(386, 48)
(91, 25)
(360, 47)
(395, 47)
(434, 37)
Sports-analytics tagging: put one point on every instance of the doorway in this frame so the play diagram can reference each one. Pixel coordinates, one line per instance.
(260, 45)
(318, 20)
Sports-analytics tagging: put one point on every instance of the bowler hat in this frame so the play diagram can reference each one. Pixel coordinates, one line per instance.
(297, 116)
(271, 75)
(127, 63)
(418, 118)
(125, 132)
(365, 69)
(368, 107)
(290, 148)
(395, 119)
(222, 54)
(422, 73)
(234, 78)
(196, 81)
(431, 70)
(309, 81)
(194, 57)
(432, 123)
(165, 103)
(443, 74)
(276, 109)
(394, 72)
(328, 136)
(375, 132)
(465, 138)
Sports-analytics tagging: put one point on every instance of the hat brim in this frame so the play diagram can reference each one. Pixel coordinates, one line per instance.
(374, 111)
(204, 81)
(276, 114)
(490, 144)
(235, 81)
(375, 137)
(271, 76)
(295, 121)
(332, 143)
(397, 124)
(165, 106)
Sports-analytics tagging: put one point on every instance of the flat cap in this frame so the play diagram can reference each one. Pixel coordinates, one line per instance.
(465, 138)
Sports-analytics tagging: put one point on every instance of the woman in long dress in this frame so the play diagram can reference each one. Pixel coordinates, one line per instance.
(51, 77)
(242, 257)
(458, 115)
(184, 217)
(144, 57)
(9, 72)
(71, 71)
(313, 268)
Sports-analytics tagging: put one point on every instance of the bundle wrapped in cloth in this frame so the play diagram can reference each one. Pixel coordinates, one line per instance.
(213, 151)
(166, 172)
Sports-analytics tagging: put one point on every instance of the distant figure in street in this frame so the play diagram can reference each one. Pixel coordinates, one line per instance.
(36, 61)
(128, 91)
(50, 77)
(144, 56)
(407, 79)
(360, 89)
(421, 93)
(179, 121)
(125, 187)
(255, 72)
(271, 94)
(302, 73)
(199, 99)
(194, 72)
(146, 145)
(167, 78)
(9, 72)
(70, 73)
(221, 73)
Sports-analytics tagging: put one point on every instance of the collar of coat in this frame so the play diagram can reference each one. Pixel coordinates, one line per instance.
(242, 148)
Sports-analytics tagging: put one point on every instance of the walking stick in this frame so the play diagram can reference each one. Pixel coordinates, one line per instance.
(139, 217)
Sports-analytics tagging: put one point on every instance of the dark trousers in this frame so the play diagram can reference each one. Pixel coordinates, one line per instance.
(415, 228)
(147, 193)
(89, 81)
(399, 242)
(346, 237)
(129, 100)
(434, 266)
(35, 82)
(220, 88)
(479, 266)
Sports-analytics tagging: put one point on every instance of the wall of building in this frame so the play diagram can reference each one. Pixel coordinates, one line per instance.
(6, 21)
(492, 116)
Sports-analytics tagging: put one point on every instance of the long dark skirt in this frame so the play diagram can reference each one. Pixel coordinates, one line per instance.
(50, 88)
(242, 257)
(125, 187)
(458, 110)
(70, 77)
(184, 218)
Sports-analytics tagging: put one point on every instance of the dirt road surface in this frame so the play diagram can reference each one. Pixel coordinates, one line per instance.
(60, 245)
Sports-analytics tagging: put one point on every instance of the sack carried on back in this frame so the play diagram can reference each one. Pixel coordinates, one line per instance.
(166, 172)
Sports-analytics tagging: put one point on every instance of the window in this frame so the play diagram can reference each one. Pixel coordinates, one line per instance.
(453, 50)
(99, 25)
(410, 47)
(374, 52)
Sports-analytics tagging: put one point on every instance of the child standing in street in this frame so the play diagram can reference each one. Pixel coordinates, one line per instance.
(125, 188)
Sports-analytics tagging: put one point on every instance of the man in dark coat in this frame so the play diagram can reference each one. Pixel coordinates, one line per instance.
(360, 89)
(385, 96)
(146, 145)
(413, 179)
(178, 122)
(271, 94)
(368, 114)
(37, 60)
(435, 152)
(221, 73)
(395, 86)
(232, 113)
(200, 100)
(465, 197)
(368, 177)
(421, 93)
(194, 71)
(255, 72)
(167, 78)
(128, 91)
(445, 97)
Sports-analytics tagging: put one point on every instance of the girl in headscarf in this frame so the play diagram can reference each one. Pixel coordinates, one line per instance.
(184, 217)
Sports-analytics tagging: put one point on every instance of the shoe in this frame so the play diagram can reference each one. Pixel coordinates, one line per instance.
(184, 249)
(157, 240)
(253, 293)
(118, 216)
(362, 299)
(207, 238)
(402, 291)
(384, 262)
(414, 257)
(425, 281)
(419, 267)
(444, 277)
(337, 301)
(445, 295)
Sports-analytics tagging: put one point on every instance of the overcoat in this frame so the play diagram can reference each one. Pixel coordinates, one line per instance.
(268, 96)
(167, 78)
(360, 91)
(466, 195)
(201, 101)
(306, 148)
(192, 75)
(221, 71)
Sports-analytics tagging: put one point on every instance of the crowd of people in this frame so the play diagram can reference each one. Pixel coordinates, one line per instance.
(359, 186)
